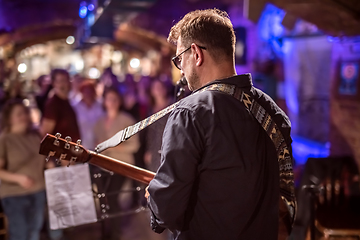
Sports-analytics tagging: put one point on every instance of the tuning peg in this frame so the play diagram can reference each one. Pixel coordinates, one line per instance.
(62, 157)
(56, 142)
(67, 145)
(73, 159)
(51, 154)
(77, 147)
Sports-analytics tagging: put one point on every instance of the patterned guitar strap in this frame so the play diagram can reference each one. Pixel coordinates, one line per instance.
(284, 158)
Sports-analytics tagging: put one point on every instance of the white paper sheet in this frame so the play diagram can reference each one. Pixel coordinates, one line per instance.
(69, 196)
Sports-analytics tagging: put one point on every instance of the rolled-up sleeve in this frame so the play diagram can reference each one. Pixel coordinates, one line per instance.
(182, 148)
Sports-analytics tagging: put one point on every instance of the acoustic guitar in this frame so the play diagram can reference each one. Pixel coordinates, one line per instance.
(55, 147)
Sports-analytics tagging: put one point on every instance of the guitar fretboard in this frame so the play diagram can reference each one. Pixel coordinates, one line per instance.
(130, 131)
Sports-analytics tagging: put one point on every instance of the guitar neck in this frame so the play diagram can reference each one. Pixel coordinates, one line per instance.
(120, 167)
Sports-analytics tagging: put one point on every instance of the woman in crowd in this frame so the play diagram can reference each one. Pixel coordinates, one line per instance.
(22, 189)
(160, 93)
(115, 120)
(131, 102)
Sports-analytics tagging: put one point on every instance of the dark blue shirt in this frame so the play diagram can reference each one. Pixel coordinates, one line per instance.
(219, 176)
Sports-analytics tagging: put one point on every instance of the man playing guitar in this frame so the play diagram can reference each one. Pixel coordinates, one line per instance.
(219, 175)
(226, 160)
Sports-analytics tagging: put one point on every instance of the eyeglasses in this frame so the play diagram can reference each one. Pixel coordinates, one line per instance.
(177, 61)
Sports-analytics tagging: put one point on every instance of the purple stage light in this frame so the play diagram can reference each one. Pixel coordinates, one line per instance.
(91, 7)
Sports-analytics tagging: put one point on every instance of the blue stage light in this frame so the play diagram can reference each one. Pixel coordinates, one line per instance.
(83, 10)
(91, 7)
(304, 148)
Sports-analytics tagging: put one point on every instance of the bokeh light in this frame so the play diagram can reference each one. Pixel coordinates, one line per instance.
(70, 40)
(94, 73)
(22, 68)
(134, 63)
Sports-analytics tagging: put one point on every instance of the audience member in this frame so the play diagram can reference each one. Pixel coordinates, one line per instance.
(143, 92)
(3, 75)
(161, 93)
(88, 111)
(131, 103)
(14, 90)
(21, 172)
(59, 116)
(114, 121)
(2, 72)
(45, 86)
(109, 79)
(138, 111)
(75, 94)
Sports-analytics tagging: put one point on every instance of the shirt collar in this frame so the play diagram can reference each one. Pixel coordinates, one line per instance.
(243, 80)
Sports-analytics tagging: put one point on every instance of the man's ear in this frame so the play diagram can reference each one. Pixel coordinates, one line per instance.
(197, 54)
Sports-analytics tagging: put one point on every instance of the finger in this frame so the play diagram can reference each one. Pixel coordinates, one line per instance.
(147, 194)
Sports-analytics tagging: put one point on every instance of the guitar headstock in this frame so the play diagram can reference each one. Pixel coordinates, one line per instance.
(63, 149)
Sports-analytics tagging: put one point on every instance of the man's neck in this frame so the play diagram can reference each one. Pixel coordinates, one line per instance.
(221, 71)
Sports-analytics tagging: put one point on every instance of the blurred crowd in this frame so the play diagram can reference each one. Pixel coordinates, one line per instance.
(86, 109)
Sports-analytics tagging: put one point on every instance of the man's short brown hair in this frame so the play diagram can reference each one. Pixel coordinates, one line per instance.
(209, 28)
